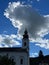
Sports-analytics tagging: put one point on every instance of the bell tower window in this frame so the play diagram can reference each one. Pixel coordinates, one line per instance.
(24, 43)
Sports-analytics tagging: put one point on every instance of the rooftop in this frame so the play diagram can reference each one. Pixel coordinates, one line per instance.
(14, 49)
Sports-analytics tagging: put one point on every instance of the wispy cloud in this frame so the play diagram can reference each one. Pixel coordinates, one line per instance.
(38, 0)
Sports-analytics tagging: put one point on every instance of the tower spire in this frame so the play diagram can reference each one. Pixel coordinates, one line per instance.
(25, 40)
(25, 43)
(25, 31)
(25, 34)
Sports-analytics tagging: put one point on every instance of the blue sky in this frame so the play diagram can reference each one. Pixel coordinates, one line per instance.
(9, 29)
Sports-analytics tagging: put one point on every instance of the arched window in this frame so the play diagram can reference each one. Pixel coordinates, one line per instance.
(21, 61)
(24, 43)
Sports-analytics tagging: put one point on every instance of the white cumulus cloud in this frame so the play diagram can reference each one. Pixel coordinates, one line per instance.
(8, 40)
(24, 16)
(34, 54)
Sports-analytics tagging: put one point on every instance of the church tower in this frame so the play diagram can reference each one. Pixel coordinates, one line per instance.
(25, 41)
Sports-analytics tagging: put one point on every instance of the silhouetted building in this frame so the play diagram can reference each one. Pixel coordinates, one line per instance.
(21, 54)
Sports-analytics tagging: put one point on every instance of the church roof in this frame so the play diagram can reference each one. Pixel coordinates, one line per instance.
(14, 49)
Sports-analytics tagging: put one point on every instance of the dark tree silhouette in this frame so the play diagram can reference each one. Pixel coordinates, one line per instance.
(40, 53)
(41, 56)
(4, 60)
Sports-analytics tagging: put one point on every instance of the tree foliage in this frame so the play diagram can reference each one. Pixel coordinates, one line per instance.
(4, 60)
(40, 53)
